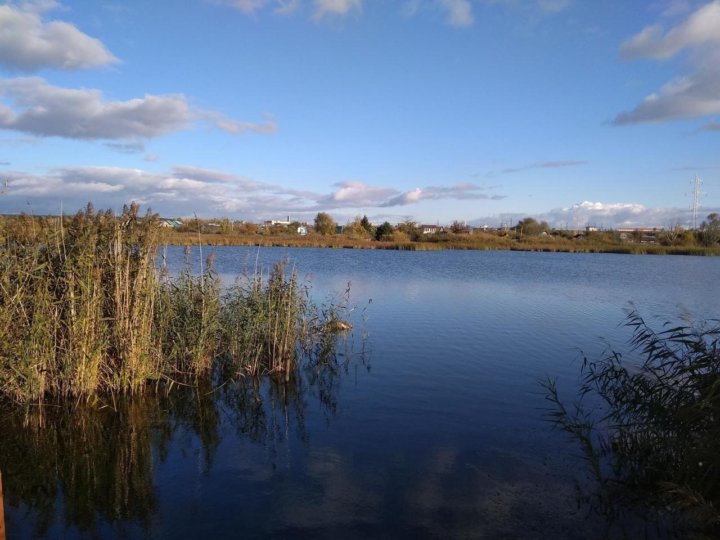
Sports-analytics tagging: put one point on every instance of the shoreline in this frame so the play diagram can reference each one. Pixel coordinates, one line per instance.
(504, 244)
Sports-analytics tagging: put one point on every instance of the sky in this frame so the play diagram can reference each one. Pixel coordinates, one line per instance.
(577, 112)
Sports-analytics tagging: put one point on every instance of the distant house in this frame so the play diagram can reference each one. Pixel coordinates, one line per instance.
(645, 235)
(278, 222)
(430, 229)
(170, 223)
(302, 230)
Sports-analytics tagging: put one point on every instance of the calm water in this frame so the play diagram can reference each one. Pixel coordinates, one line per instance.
(430, 424)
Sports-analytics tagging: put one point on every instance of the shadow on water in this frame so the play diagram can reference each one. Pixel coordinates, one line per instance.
(85, 469)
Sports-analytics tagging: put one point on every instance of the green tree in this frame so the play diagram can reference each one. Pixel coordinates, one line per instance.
(324, 224)
(365, 222)
(356, 229)
(710, 230)
(384, 231)
(531, 227)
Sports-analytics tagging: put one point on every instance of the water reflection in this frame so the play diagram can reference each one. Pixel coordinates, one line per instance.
(88, 467)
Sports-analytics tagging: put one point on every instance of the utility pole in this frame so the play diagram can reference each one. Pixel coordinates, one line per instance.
(696, 183)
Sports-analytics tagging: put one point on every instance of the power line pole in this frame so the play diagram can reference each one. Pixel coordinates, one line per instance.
(696, 183)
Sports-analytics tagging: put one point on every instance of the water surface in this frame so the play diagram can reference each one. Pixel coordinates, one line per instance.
(430, 423)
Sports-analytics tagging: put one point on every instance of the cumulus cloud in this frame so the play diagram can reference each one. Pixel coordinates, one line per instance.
(184, 190)
(31, 105)
(694, 94)
(605, 215)
(701, 27)
(39, 108)
(615, 215)
(28, 43)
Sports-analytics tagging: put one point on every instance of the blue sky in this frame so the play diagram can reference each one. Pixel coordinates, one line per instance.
(434, 110)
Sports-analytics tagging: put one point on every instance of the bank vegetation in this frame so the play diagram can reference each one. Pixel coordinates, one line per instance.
(527, 235)
(86, 308)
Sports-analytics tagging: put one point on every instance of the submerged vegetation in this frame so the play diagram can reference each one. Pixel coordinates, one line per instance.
(650, 431)
(85, 309)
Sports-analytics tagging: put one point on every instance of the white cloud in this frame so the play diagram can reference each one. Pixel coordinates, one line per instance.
(358, 194)
(38, 108)
(614, 215)
(701, 27)
(459, 12)
(184, 190)
(605, 215)
(28, 43)
(687, 97)
(334, 8)
(463, 191)
(693, 95)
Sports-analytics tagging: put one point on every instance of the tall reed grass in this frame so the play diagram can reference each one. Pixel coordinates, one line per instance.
(650, 430)
(85, 309)
(76, 304)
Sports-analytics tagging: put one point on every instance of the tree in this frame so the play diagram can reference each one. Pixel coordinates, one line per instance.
(365, 222)
(384, 231)
(226, 226)
(355, 229)
(672, 236)
(531, 227)
(324, 224)
(457, 227)
(710, 230)
(410, 229)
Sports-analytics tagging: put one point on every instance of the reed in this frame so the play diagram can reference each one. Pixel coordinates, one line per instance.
(76, 303)
(651, 430)
(84, 309)
(187, 321)
(266, 322)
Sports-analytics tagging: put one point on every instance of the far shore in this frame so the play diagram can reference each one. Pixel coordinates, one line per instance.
(478, 242)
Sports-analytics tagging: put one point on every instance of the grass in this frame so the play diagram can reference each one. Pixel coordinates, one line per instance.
(650, 431)
(84, 309)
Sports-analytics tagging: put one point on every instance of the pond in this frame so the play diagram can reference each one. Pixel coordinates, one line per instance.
(429, 424)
